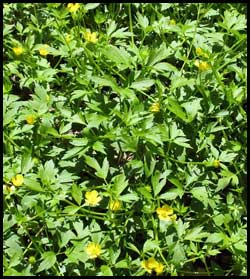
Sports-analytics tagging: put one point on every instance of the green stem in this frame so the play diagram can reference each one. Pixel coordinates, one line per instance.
(131, 24)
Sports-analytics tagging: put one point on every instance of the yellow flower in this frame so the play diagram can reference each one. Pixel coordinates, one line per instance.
(216, 163)
(44, 50)
(73, 7)
(199, 51)
(152, 265)
(155, 107)
(18, 50)
(115, 205)
(92, 198)
(172, 22)
(17, 180)
(202, 65)
(159, 268)
(90, 37)
(68, 38)
(166, 213)
(30, 119)
(93, 250)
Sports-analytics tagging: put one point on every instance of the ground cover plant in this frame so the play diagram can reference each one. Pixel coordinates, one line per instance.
(124, 139)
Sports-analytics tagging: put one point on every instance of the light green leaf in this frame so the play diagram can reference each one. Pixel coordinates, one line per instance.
(49, 259)
(142, 84)
(200, 193)
(76, 193)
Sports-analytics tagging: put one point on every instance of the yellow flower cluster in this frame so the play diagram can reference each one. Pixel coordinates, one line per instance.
(30, 119)
(155, 107)
(202, 65)
(153, 265)
(17, 180)
(18, 50)
(115, 205)
(166, 213)
(93, 250)
(73, 7)
(90, 37)
(44, 50)
(200, 52)
(92, 198)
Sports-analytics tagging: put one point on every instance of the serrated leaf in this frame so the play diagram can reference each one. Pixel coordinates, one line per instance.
(33, 185)
(120, 183)
(49, 259)
(175, 108)
(71, 209)
(215, 237)
(72, 152)
(196, 234)
(26, 162)
(200, 193)
(106, 270)
(76, 193)
(129, 197)
(92, 162)
(142, 84)
(150, 245)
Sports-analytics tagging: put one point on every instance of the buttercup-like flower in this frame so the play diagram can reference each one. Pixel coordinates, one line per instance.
(115, 205)
(216, 163)
(44, 50)
(17, 180)
(166, 213)
(93, 250)
(200, 52)
(18, 50)
(202, 65)
(92, 198)
(155, 107)
(172, 22)
(90, 37)
(73, 7)
(30, 119)
(152, 265)
(68, 38)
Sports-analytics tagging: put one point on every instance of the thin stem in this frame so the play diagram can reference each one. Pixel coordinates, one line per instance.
(131, 24)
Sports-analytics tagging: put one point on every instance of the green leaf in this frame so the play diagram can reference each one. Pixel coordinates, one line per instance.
(71, 209)
(176, 109)
(26, 162)
(33, 185)
(179, 254)
(196, 234)
(99, 146)
(150, 245)
(118, 55)
(215, 237)
(120, 183)
(103, 172)
(133, 248)
(129, 197)
(159, 181)
(106, 271)
(171, 194)
(200, 193)
(92, 162)
(158, 54)
(142, 84)
(122, 264)
(76, 193)
(49, 259)
(91, 6)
